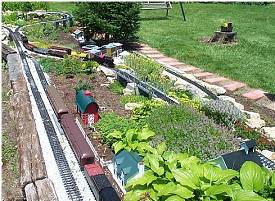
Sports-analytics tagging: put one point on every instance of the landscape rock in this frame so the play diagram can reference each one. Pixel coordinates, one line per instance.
(255, 123)
(169, 75)
(108, 72)
(183, 85)
(132, 106)
(252, 115)
(127, 91)
(269, 131)
(111, 79)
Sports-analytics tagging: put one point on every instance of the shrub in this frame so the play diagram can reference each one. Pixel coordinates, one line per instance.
(110, 122)
(116, 87)
(132, 99)
(68, 65)
(185, 129)
(115, 20)
(24, 6)
(83, 85)
(184, 99)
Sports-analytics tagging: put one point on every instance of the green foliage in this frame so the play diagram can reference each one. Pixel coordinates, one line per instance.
(39, 31)
(132, 99)
(110, 122)
(177, 176)
(67, 66)
(116, 20)
(185, 129)
(116, 87)
(24, 6)
(150, 71)
(184, 99)
(83, 85)
(9, 153)
(140, 113)
(132, 140)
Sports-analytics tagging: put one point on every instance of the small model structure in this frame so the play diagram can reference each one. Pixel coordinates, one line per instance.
(87, 107)
(247, 152)
(127, 165)
(225, 35)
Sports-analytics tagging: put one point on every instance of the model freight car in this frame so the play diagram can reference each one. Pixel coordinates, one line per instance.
(56, 101)
(57, 53)
(68, 50)
(79, 145)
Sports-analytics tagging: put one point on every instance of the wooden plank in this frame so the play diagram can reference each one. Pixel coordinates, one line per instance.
(32, 165)
(45, 190)
(31, 193)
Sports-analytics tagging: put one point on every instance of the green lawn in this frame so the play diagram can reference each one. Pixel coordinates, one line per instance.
(62, 6)
(251, 61)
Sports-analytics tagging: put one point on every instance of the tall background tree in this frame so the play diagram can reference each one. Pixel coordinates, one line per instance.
(114, 20)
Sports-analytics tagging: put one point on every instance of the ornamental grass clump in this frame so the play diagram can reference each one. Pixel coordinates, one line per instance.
(186, 130)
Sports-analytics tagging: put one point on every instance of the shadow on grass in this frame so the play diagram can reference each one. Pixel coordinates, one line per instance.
(154, 18)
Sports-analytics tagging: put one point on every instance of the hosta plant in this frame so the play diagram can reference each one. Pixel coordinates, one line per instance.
(132, 140)
(172, 176)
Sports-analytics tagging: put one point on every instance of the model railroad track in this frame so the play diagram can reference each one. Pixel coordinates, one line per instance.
(62, 164)
(6, 50)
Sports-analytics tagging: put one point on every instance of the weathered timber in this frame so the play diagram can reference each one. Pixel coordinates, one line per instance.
(45, 190)
(31, 193)
(223, 37)
(31, 159)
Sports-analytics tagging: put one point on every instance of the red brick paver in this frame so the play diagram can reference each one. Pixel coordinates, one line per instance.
(254, 95)
(215, 80)
(169, 60)
(233, 86)
(203, 75)
(187, 69)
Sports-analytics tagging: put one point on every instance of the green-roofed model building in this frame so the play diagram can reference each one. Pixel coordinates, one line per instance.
(127, 165)
(87, 107)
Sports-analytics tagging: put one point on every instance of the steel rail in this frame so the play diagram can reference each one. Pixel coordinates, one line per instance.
(62, 164)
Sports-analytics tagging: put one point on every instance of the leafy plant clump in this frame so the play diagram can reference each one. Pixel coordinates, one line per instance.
(186, 130)
(223, 112)
(110, 122)
(177, 176)
(184, 99)
(83, 85)
(150, 71)
(116, 87)
(67, 66)
(132, 99)
(132, 140)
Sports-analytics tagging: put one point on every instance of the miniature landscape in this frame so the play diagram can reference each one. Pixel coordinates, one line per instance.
(154, 130)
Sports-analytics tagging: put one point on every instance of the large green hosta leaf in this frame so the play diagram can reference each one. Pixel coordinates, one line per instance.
(130, 134)
(227, 175)
(174, 198)
(186, 178)
(211, 172)
(116, 134)
(246, 195)
(252, 176)
(118, 146)
(218, 189)
(147, 179)
(273, 180)
(153, 161)
(145, 134)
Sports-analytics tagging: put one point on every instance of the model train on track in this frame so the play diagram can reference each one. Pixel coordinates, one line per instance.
(56, 51)
(98, 182)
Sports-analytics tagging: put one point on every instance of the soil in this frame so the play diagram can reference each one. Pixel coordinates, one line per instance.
(107, 101)
(11, 189)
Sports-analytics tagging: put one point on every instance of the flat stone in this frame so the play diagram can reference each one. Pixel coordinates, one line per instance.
(254, 95)
(168, 60)
(203, 75)
(155, 56)
(111, 79)
(131, 86)
(175, 63)
(269, 131)
(146, 51)
(233, 86)
(171, 76)
(127, 91)
(215, 80)
(188, 69)
(108, 72)
(269, 154)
